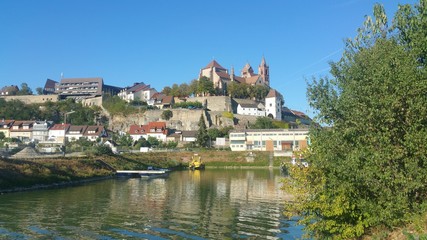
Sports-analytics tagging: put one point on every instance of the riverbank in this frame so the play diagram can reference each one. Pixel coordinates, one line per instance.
(23, 175)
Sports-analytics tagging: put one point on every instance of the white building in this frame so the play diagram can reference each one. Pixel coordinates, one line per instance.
(41, 130)
(157, 130)
(273, 104)
(140, 92)
(268, 139)
(252, 109)
(58, 131)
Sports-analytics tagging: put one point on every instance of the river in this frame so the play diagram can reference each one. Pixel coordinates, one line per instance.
(209, 204)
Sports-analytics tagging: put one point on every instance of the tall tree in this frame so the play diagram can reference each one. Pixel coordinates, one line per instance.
(368, 168)
(202, 134)
(25, 90)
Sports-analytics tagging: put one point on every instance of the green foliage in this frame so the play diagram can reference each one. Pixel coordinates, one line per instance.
(124, 140)
(39, 91)
(2, 136)
(202, 137)
(153, 141)
(368, 168)
(263, 123)
(238, 90)
(204, 87)
(103, 150)
(228, 115)
(142, 142)
(117, 106)
(188, 105)
(280, 124)
(167, 114)
(25, 90)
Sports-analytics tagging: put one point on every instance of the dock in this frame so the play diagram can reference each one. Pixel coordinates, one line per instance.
(141, 173)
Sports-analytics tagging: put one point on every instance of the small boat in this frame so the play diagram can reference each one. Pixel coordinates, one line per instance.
(196, 162)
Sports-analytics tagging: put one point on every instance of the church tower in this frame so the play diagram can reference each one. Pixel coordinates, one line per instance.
(264, 72)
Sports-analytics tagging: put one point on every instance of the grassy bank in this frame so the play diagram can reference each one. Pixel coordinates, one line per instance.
(29, 173)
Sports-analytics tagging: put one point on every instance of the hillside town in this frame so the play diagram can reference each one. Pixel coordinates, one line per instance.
(218, 98)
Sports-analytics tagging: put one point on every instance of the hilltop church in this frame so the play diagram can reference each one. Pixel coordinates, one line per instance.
(221, 77)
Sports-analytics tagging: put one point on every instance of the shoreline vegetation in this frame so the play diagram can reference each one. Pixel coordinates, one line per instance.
(27, 175)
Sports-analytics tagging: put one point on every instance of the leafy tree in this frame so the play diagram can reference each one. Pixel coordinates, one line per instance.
(125, 140)
(167, 114)
(368, 168)
(263, 123)
(2, 136)
(153, 141)
(213, 133)
(39, 91)
(103, 150)
(25, 90)
(142, 142)
(205, 86)
(202, 137)
(167, 91)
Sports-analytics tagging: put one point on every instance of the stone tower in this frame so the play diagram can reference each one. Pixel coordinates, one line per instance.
(264, 72)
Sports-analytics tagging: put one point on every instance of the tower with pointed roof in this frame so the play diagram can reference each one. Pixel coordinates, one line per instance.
(264, 71)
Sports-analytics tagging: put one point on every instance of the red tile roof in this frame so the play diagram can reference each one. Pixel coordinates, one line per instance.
(93, 130)
(61, 126)
(273, 93)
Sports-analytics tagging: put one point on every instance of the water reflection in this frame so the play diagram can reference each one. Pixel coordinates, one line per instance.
(210, 204)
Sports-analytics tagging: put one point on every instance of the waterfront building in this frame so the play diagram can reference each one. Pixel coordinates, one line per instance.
(268, 139)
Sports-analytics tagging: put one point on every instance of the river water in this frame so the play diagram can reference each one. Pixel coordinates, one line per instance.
(209, 204)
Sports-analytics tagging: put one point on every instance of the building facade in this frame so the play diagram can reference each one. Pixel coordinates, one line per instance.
(273, 104)
(269, 139)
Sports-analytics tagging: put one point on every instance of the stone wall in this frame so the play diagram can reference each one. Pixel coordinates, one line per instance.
(214, 103)
(28, 99)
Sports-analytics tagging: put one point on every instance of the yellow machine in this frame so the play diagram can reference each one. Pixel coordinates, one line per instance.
(196, 162)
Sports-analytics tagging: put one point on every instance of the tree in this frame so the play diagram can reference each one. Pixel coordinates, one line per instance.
(2, 136)
(205, 86)
(153, 141)
(39, 91)
(167, 114)
(368, 168)
(263, 123)
(25, 90)
(166, 91)
(202, 137)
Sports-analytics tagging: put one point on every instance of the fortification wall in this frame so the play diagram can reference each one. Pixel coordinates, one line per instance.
(214, 103)
(28, 99)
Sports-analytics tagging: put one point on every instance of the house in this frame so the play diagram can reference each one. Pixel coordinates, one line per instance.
(49, 87)
(167, 102)
(137, 132)
(251, 109)
(188, 136)
(5, 126)
(9, 90)
(273, 104)
(41, 130)
(139, 91)
(268, 139)
(92, 133)
(157, 130)
(22, 130)
(156, 100)
(75, 132)
(57, 132)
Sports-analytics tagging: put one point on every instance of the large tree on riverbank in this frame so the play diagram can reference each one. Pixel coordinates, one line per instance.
(369, 168)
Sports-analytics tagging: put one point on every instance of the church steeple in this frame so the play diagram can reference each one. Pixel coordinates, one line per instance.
(264, 72)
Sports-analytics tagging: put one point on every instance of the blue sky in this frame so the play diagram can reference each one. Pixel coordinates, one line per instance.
(164, 42)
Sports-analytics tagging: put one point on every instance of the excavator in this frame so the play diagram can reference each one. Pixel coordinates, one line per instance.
(196, 162)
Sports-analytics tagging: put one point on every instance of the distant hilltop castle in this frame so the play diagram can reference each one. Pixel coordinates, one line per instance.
(221, 77)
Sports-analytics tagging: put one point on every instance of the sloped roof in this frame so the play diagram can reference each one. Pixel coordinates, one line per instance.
(239, 79)
(223, 75)
(273, 93)
(93, 130)
(213, 64)
(136, 129)
(27, 152)
(152, 125)
(252, 80)
(6, 122)
(9, 88)
(189, 133)
(61, 126)
(167, 100)
(80, 129)
(50, 83)
(138, 87)
(248, 105)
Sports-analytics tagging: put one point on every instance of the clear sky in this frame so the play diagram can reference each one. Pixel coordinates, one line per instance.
(163, 42)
